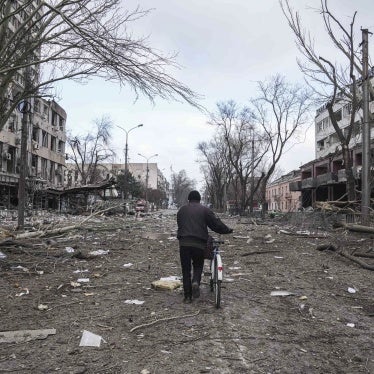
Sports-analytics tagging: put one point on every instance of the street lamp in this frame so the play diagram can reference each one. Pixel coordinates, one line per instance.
(126, 152)
(147, 174)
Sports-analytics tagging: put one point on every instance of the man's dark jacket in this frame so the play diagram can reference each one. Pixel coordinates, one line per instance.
(193, 221)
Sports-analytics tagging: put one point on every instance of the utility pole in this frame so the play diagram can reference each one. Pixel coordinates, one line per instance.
(252, 173)
(147, 177)
(124, 193)
(365, 176)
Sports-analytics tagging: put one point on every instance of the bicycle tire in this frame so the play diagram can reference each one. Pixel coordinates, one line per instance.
(217, 285)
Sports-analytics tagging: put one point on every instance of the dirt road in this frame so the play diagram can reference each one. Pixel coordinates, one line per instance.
(324, 325)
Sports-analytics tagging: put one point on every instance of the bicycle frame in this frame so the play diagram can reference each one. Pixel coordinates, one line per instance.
(217, 256)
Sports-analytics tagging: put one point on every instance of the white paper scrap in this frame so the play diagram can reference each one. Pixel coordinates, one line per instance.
(90, 340)
(136, 302)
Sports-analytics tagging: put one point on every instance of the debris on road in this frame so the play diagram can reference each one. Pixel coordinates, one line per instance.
(89, 339)
(22, 336)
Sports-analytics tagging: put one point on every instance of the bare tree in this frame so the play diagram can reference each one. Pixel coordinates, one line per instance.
(335, 80)
(216, 171)
(78, 39)
(280, 110)
(242, 153)
(181, 186)
(90, 150)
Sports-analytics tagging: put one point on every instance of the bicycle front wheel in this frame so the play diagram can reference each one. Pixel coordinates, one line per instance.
(216, 285)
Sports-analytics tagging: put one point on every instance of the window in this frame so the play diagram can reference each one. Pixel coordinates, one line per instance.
(12, 126)
(36, 106)
(338, 115)
(44, 138)
(61, 123)
(53, 144)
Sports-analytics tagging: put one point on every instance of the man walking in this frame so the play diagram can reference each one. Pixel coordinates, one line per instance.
(193, 220)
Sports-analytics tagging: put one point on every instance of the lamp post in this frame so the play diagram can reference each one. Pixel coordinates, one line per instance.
(147, 175)
(126, 153)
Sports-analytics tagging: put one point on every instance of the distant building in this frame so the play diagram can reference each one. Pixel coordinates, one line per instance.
(156, 180)
(279, 197)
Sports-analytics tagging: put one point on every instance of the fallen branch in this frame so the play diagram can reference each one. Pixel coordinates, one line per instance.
(331, 247)
(360, 228)
(356, 260)
(260, 252)
(40, 233)
(162, 320)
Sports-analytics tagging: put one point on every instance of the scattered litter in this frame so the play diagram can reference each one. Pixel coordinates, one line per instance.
(43, 307)
(269, 241)
(75, 284)
(171, 278)
(350, 324)
(135, 302)
(281, 293)
(172, 238)
(40, 272)
(267, 236)
(352, 290)
(330, 278)
(127, 265)
(166, 352)
(89, 294)
(234, 267)
(278, 257)
(25, 291)
(80, 271)
(306, 232)
(19, 267)
(303, 350)
(241, 237)
(22, 336)
(83, 280)
(249, 240)
(69, 250)
(167, 283)
(145, 371)
(2, 256)
(284, 232)
(99, 252)
(303, 298)
(90, 340)
(229, 280)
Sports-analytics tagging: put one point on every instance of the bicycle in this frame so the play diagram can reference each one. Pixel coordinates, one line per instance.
(216, 273)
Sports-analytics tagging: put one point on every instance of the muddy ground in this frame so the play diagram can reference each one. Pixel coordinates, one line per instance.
(325, 325)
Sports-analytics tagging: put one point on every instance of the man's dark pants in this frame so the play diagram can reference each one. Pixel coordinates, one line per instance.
(194, 256)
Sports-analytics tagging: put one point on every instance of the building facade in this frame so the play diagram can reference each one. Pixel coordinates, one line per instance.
(279, 197)
(46, 138)
(324, 178)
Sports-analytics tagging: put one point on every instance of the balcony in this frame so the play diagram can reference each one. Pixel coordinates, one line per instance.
(308, 183)
(295, 186)
(341, 175)
(327, 178)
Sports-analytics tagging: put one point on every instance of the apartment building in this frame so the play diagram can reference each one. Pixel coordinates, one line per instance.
(324, 178)
(45, 150)
(46, 122)
(280, 197)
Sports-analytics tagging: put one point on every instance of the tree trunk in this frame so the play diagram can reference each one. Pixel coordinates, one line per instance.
(350, 184)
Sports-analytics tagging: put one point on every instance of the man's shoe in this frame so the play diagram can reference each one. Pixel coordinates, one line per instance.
(195, 290)
(187, 300)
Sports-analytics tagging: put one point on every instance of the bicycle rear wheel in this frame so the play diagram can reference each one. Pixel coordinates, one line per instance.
(216, 285)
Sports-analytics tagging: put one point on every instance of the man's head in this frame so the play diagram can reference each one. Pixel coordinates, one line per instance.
(194, 196)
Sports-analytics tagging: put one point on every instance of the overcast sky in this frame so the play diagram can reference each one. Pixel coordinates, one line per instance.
(224, 47)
